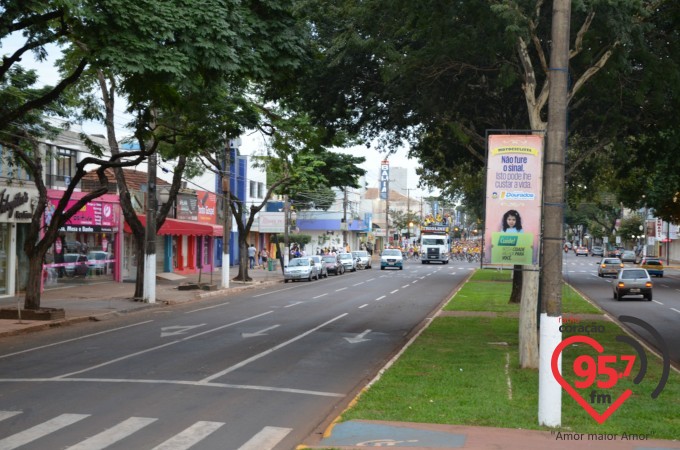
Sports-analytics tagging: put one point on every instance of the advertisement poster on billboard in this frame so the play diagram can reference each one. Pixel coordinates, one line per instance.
(513, 199)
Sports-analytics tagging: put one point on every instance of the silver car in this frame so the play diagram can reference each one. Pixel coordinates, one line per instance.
(320, 266)
(347, 260)
(633, 282)
(363, 256)
(300, 269)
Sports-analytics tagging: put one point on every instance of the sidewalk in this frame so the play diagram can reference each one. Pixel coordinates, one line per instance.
(99, 300)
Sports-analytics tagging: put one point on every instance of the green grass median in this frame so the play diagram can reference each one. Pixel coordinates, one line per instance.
(464, 370)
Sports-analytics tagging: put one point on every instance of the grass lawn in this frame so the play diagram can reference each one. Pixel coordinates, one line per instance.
(459, 368)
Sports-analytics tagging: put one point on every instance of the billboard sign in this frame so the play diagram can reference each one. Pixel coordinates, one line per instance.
(513, 199)
(384, 179)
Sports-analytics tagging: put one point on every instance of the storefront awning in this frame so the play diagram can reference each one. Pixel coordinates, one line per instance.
(181, 227)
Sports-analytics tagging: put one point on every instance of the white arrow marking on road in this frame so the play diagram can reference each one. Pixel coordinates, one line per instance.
(358, 338)
(177, 329)
(259, 333)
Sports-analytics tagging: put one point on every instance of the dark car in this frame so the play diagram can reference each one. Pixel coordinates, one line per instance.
(333, 265)
(633, 282)
(75, 265)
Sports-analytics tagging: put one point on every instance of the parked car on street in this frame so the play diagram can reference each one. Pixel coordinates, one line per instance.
(581, 251)
(597, 250)
(364, 257)
(628, 256)
(333, 265)
(609, 266)
(391, 257)
(100, 262)
(347, 260)
(300, 269)
(653, 266)
(633, 282)
(76, 265)
(320, 266)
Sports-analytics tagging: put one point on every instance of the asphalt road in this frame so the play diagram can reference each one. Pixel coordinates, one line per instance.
(261, 370)
(662, 313)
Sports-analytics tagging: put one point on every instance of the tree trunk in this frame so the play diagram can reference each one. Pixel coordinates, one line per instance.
(32, 299)
(243, 258)
(517, 277)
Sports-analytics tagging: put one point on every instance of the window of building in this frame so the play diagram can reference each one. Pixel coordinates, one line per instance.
(260, 190)
(253, 189)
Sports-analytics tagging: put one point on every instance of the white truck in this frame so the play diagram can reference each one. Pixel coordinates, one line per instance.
(434, 244)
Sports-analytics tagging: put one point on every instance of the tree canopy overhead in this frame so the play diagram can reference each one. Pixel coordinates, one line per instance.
(440, 74)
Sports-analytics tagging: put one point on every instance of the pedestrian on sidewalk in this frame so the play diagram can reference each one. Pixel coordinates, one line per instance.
(264, 256)
(252, 251)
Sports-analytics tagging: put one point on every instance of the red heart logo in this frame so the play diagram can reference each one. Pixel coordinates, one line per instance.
(599, 418)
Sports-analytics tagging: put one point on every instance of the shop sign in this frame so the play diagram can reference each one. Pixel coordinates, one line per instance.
(207, 207)
(271, 222)
(17, 205)
(187, 207)
(95, 214)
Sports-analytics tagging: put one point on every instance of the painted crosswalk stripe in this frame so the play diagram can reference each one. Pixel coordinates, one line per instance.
(113, 434)
(191, 436)
(7, 414)
(38, 431)
(266, 439)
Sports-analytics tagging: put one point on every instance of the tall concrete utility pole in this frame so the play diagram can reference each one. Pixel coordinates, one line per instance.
(226, 211)
(344, 212)
(149, 291)
(549, 390)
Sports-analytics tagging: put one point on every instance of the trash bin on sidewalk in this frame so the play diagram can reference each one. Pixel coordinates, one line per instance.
(271, 263)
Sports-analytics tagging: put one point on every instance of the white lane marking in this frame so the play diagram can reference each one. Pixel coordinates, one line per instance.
(358, 338)
(190, 437)
(113, 434)
(319, 296)
(173, 382)
(267, 352)
(363, 306)
(675, 310)
(293, 304)
(38, 431)
(370, 279)
(379, 298)
(131, 355)
(405, 286)
(74, 339)
(274, 292)
(266, 439)
(259, 333)
(341, 289)
(396, 290)
(7, 414)
(362, 282)
(207, 307)
(655, 301)
(176, 330)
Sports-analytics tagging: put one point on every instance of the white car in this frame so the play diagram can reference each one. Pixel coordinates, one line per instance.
(363, 256)
(391, 257)
(300, 269)
(320, 266)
